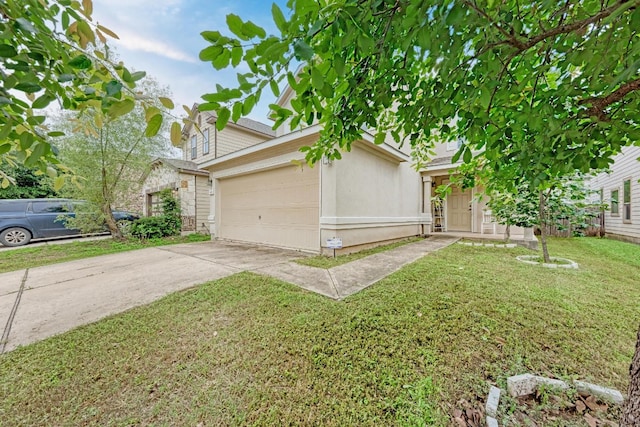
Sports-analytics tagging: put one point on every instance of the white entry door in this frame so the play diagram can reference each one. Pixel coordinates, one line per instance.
(459, 210)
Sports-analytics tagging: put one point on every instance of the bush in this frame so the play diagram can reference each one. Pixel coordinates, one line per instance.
(167, 224)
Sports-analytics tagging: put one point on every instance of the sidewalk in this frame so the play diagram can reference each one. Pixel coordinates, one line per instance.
(347, 279)
(44, 301)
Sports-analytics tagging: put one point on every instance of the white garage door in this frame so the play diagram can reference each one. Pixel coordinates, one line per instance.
(277, 207)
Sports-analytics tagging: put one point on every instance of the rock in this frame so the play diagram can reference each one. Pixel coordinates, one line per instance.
(606, 394)
(493, 399)
(521, 385)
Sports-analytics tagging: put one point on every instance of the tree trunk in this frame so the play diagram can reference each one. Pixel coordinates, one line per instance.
(507, 233)
(543, 228)
(631, 410)
(112, 225)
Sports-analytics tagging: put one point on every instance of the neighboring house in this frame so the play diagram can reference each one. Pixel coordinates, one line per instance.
(620, 190)
(185, 177)
(267, 194)
(189, 184)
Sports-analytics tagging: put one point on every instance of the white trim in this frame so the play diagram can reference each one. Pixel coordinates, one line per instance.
(261, 165)
(373, 221)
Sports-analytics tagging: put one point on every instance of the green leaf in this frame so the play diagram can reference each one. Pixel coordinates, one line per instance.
(150, 112)
(166, 103)
(176, 134)
(121, 108)
(58, 182)
(302, 51)
(28, 87)
(210, 53)
(252, 30)
(7, 51)
(236, 112)
(38, 151)
(4, 148)
(274, 88)
(223, 118)
(278, 18)
(153, 126)
(236, 26)
(42, 102)
(236, 56)
(211, 36)
(113, 88)
(248, 105)
(467, 155)
(81, 62)
(138, 75)
(221, 61)
(317, 78)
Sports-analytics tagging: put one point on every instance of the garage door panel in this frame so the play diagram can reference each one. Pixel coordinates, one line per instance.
(278, 207)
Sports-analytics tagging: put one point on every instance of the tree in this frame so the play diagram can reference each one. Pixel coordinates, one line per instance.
(546, 87)
(29, 183)
(46, 57)
(109, 156)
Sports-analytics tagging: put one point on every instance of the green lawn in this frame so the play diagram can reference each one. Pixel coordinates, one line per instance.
(36, 256)
(250, 350)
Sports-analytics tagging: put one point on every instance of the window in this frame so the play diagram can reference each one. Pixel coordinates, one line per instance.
(205, 141)
(194, 147)
(614, 203)
(50, 207)
(626, 200)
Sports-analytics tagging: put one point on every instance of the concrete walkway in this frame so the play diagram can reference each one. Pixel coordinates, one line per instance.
(347, 279)
(40, 302)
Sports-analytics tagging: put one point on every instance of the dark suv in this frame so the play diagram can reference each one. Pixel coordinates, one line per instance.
(27, 219)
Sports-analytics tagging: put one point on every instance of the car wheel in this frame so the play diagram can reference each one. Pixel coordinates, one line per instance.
(15, 236)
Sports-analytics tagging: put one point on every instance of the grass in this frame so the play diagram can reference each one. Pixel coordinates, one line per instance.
(29, 257)
(251, 350)
(323, 261)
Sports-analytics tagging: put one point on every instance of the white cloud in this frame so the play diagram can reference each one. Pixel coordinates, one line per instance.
(136, 42)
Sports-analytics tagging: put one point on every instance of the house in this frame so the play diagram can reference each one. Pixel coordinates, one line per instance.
(191, 184)
(262, 191)
(265, 193)
(620, 190)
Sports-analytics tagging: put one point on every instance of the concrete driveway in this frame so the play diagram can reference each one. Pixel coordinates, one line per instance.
(40, 302)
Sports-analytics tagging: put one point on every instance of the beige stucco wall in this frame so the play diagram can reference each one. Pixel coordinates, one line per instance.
(368, 198)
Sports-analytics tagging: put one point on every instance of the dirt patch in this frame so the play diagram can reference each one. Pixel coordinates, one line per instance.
(553, 408)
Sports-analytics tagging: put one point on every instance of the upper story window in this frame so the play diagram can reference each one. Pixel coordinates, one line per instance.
(194, 147)
(614, 202)
(205, 141)
(626, 200)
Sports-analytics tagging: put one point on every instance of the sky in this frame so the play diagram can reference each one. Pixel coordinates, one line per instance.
(162, 37)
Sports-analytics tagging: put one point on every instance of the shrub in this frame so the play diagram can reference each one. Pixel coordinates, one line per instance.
(168, 223)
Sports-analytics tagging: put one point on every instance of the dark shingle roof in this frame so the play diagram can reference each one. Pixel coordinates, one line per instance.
(250, 124)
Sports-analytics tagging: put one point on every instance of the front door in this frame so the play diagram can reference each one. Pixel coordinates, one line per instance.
(459, 210)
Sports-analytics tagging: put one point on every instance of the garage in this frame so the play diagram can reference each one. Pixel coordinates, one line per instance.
(278, 207)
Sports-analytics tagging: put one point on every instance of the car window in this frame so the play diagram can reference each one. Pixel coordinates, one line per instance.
(50, 207)
(12, 206)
